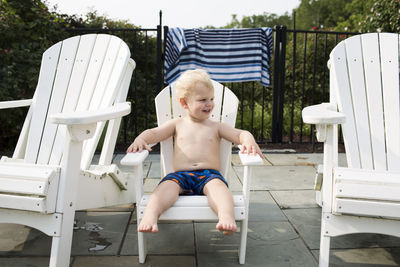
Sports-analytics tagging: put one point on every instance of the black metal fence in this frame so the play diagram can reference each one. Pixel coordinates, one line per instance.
(300, 78)
(273, 114)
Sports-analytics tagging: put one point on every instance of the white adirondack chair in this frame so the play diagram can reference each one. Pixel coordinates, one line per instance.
(83, 83)
(195, 207)
(364, 98)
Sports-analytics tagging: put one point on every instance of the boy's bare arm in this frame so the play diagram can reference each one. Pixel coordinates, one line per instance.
(152, 136)
(237, 136)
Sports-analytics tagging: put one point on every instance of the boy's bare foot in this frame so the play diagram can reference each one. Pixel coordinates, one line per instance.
(148, 225)
(226, 225)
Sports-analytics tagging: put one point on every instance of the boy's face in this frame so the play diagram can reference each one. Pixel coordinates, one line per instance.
(200, 102)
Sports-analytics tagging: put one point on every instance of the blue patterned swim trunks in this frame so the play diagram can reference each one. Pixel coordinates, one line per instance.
(193, 182)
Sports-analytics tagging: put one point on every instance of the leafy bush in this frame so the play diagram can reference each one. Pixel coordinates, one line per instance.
(27, 29)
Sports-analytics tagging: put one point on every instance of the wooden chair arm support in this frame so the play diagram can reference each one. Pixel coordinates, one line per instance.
(324, 113)
(134, 159)
(249, 160)
(15, 103)
(89, 117)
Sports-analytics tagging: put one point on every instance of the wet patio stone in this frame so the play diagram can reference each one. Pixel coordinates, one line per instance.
(295, 199)
(172, 239)
(364, 257)
(280, 177)
(25, 262)
(308, 224)
(133, 261)
(268, 244)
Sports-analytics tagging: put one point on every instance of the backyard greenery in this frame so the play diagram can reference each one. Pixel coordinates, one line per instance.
(28, 27)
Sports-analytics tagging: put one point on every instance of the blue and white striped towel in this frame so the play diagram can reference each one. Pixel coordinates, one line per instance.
(228, 55)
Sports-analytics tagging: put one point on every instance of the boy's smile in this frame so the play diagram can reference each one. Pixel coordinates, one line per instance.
(200, 103)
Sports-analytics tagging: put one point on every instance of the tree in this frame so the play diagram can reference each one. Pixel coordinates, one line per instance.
(263, 20)
(27, 28)
(321, 13)
(383, 16)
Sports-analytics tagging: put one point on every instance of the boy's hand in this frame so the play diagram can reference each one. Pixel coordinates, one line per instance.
(138, 145)
(251, 148)
(249, 145)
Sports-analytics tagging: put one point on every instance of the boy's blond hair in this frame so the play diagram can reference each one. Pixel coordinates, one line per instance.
(189, 79)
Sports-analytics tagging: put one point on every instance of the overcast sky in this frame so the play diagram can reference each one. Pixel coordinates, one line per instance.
(176, 13)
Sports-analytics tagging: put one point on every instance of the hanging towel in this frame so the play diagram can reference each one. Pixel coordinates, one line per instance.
(228, 55)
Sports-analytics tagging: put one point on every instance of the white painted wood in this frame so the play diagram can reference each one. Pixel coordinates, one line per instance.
(230, 105)
(373, 81)
(108, 192)
(163, 110)
(82, 58)
(177, 110)
(80, 79)
(111, 91)
(359, 99)
(324, 113)
(197, 213)
(384, 192)
(88, 117)
(134, 159)
(337, 225)
(218, 94)
(194, 201)
(110, 139)
(41, 101)
(20, 148)
(63, 73)
(50, 224)
(15, 103)
(101, 171)
(249, 159)
(365, 197)
(341, 86)
(389, 48)
(368, 208)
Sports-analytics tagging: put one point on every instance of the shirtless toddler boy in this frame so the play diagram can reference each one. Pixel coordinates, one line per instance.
(196, 154)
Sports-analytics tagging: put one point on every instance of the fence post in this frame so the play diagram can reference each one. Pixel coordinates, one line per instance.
(159, 59)
(282, 71)
(278, 83)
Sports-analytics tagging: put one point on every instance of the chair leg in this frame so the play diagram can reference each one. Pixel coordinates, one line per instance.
(142, 247)
(61, 245)
(324, 250)
(243, 240)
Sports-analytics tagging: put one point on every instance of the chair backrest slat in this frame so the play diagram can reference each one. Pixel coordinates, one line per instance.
(41, 101)
(64, 69)
(340, 82)
(389, 44)
(365, 77)
(372, 69)
(359, 100)
(163, 103)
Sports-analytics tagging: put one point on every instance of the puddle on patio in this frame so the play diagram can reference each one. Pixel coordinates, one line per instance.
(100, 243)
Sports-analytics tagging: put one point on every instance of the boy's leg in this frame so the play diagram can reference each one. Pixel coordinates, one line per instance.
(221, 201)
(163, 197)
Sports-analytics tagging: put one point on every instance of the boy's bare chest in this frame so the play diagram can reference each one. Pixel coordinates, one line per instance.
(202, 134)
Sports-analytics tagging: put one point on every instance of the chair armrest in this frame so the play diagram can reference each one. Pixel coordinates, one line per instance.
(87, 117)
(249, 160)
(134, 159)
(324, 113)
(15, 103)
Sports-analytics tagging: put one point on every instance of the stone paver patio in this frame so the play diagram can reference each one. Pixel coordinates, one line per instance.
(283, 229)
